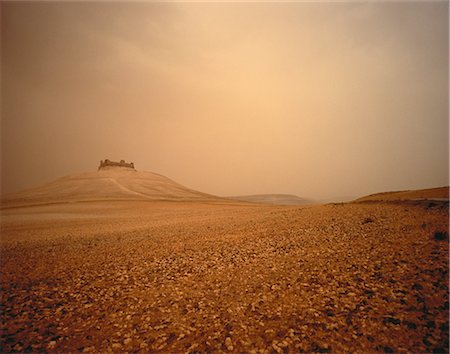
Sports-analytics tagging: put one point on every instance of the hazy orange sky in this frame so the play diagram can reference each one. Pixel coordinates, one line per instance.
(315, 99)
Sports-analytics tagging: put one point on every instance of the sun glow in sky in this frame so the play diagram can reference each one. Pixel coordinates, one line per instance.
(315, 99)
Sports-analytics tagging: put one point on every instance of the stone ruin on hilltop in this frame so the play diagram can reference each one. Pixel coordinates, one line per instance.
(122, 163)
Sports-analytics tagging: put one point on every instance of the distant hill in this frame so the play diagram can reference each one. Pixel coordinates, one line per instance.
(280, 199)
(108, 183)
(339, 199)
(440, 193)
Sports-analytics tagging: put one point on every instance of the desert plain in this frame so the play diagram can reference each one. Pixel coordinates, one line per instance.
(223, 276)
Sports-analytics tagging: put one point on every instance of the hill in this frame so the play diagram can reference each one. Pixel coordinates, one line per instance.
(279, 199)
(108, 183)
(440, 193)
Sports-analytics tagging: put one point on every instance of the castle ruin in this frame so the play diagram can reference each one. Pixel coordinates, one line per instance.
(122, 163)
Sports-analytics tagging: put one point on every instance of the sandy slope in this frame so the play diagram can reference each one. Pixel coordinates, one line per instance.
(194, 277)
(111, 183)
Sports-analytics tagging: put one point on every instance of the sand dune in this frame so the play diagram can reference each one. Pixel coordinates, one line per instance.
(111, 183)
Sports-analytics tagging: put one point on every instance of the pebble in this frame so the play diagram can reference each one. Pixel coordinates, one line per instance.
(229, 344)
(316, 268)
(116, 346)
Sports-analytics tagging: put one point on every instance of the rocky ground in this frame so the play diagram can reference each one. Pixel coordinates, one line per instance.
(168, 277)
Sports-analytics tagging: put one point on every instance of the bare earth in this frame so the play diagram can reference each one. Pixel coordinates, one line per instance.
(211, 277)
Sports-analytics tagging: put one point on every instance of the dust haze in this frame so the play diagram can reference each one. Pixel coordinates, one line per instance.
(184, 167)
(314, 99)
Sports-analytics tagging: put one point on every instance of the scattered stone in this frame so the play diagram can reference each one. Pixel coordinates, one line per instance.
(116, 346)
(229, 344)
(182, 279)
(441, 235)
(367, 220)
(393, 320)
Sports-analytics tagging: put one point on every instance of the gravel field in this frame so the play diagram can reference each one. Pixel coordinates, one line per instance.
(197, 277)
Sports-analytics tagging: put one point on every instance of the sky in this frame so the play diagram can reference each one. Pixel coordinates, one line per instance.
(316, 99)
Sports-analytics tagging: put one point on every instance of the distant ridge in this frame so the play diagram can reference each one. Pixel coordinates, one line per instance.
(440, 193)
(280, 199)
